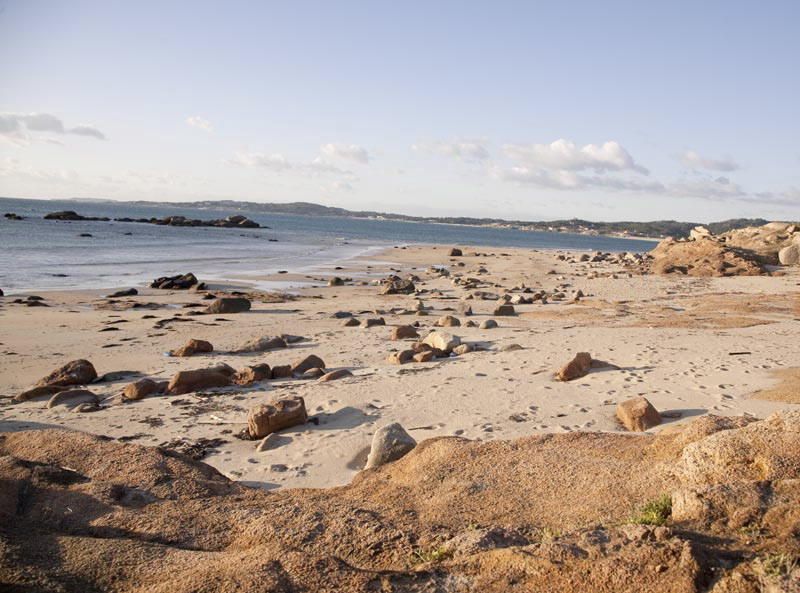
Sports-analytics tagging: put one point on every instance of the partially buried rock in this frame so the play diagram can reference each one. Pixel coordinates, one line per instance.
(398, 286)
(194, 380)
(488, 324)
(282, 371)
(333, 375)
(142, 389)
(402, 332)
(455, 252)
(443, 341)
(351, 322)
(192, 347)
(372, 322)
(81, 400)
(464, 308)
(575, 368)
(390, 443)
(462, 349)
(314, 373)
(401, 357)
(638, 414)
(336, 281)
(181, 282)
(262, 344)
(123, 293)
(504, 310)
(424, 356)
(448, 321)
(226, 305)
(252, 374)
(265, 419)
(76, 372)
(309, 362)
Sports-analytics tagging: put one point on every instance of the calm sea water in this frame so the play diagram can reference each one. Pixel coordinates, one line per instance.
(46, 254)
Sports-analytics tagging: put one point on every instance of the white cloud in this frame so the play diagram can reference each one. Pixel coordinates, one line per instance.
(278, 163)
(350, 152)
(11, 167)
(466, 150)
(715, 189)
(567, 156)
(570, 180)
(195, 121)
(19, 127)
(694, 161)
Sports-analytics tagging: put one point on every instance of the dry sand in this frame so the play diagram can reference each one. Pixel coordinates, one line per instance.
(690, 345)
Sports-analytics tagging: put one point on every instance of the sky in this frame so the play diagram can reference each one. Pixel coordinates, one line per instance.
(520, 110)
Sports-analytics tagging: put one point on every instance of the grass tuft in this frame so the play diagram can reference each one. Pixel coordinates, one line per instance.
(655, 512)
(778, 565)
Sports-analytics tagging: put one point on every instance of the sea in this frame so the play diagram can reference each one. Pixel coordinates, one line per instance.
(38, 254)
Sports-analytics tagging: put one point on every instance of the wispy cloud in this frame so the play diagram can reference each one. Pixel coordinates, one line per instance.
(466, 150)
(278, 163)
(349, 152)
(195, 121)
(693, 160)
(23, 127)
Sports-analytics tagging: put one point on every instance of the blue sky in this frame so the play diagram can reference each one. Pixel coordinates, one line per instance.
(537, 110)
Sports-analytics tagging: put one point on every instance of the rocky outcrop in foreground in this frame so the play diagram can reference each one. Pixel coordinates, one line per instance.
(741, 252)
(712, 507)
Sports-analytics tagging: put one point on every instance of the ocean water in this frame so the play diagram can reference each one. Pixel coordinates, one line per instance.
(47, 254)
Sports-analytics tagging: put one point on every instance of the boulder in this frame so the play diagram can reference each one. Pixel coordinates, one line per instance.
(312, 361)
(283, 371)
(488, 324)
(424, 356)
(197, 379)
(372, 322)
(40, 391)
(790, 255)
(455, 252)
(76, 372)
(441, 340)
(143, 388)
(265, 419)
(334, 375)
(462, 349)
(390, 443)
(262, 344)
(180, 282)
(192, 347)
(637, 414)
(396, 285)
(400, 357)
(504, 310)
(575, 368)
(123, 293)
(448, 321)
(336, 281)
(351, 322)
(314, 373)
(74, 399)
(252, 374)
(708, 257)
(403, 332)
(225, 305)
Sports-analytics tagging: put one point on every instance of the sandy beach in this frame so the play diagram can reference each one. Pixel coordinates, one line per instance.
(691, 346)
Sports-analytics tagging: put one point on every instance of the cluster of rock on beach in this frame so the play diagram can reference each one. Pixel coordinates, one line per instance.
(657, 501)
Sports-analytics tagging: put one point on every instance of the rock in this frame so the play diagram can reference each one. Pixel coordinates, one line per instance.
(398, 286)
(504, 310)
(226, 305)
(336, 281)
(462, 349)
(197, 379)
(334, 375)
(390, 443)
(74, 398)
(143, 388)
(403, 332)
(192, 347)
(638, 414)
(262, 344)
(265, 419)
(511, 348)
(448, 321)
(309, 362)
(71, 215)
(464, 309)
(314, 373)
(268, 442)
(180, 282)
(441, 340)
(123, 293)
(342, 315)
(283, 371)
(575, 368)
(699, 232)
(13, 216)
(1, 292)
(455, 252)
(424, 356)
(252, 374)
(372, 322)
(40, 391)
(790, 255)
(708, 257)
(488, 324)
(401, 357)
(76, 372)
(351, 322)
